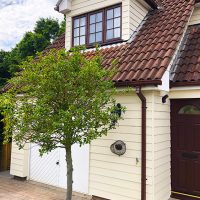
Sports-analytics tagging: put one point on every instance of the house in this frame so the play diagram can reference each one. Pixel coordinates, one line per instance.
(157, 45)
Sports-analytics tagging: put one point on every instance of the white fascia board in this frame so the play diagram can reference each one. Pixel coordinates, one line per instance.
(63, 6)
(185, 88)
(185, 93)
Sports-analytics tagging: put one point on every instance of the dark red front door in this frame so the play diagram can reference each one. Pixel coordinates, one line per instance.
(185, 137)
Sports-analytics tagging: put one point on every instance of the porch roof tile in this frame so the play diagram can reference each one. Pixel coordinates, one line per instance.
(186, 68)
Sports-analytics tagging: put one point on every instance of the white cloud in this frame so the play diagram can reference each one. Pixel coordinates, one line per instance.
(19, 16)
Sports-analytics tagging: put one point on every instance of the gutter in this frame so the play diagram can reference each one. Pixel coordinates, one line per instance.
(137, 83)
(143, 141)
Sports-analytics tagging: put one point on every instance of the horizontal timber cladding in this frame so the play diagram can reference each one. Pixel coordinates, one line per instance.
(137, 14)
(195, 18)
(19, 161)
(117, 178)
(132, 15)
(186, 93)
(162, 148)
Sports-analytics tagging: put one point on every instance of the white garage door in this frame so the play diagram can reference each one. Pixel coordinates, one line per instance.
(51, 168)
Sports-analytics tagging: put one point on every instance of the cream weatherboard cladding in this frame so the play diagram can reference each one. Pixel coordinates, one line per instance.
(19, 161)
(162, 147)
(185, 92)
(137, 13)
(132, 15)
(195, 18)
(119, 178)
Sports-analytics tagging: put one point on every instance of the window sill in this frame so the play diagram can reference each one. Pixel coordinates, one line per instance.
(105, 44)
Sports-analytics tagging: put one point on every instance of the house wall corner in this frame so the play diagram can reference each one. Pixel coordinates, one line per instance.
(19, 161)
(161, 147)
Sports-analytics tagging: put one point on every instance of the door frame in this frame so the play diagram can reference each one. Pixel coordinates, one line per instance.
(179, 195)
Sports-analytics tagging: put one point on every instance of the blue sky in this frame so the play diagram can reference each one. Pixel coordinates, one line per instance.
(19, 16)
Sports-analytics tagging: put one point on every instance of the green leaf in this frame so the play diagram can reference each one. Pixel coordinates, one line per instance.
(60, 99)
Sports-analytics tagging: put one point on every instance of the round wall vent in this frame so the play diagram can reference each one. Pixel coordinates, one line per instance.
(118, 148)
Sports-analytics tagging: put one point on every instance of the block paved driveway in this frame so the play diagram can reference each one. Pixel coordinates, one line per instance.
(11, 189)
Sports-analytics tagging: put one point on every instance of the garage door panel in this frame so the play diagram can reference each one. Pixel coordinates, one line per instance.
(80, 156)
(44, 169)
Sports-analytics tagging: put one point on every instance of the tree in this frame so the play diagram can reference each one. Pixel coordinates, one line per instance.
(31, 44)
(4, 72)
(62, 27)
(12, 61)
(48, 27)
(45, 30)
(66, 99)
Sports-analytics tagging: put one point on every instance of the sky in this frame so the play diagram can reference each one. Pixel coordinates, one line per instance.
(19, 16)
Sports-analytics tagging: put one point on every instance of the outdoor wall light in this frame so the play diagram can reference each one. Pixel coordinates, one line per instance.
(116, 112)
(118, 148)
(164, 98)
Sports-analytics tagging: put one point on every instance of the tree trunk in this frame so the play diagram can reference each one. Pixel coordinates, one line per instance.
(69, 173)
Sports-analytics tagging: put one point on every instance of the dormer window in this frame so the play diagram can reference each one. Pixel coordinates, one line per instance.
(102, 27)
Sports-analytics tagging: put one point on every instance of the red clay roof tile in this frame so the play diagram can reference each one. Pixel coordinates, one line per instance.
(144, 60)
(186, 69)
(58, 43)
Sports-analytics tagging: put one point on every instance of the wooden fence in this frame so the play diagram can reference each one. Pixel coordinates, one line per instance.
(5, 157)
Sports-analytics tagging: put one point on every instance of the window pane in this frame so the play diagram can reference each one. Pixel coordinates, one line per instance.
(110, 14)
(117, 12)
(99, 37)
(92, 38)
(99, 17)
(99, 27)
(76, 23)
(92, 19)
(76, 41)
(92, 28)
(110, 24)
(82, 40)
(109, 34)
(117, 32)
(82, 21)
(76, 32)
(117, 22)
(82, 30)
(189, 110)
(96, 27)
